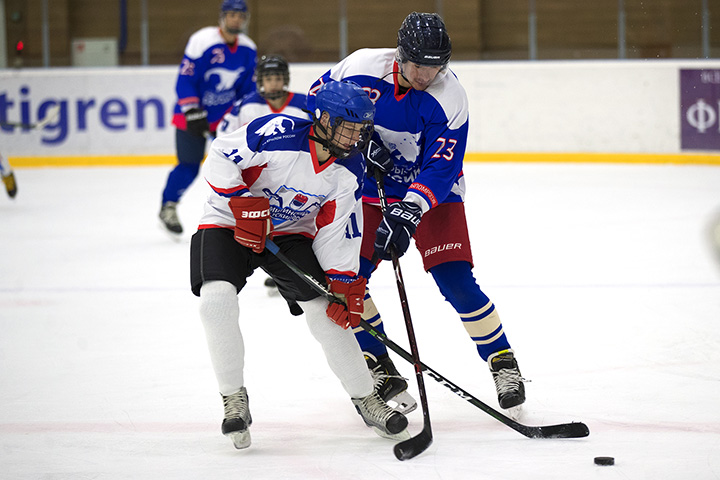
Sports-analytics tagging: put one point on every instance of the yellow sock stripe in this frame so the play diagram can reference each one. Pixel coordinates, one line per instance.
(477, 312)
(480, 330)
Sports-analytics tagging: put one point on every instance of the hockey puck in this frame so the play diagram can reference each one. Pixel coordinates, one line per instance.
(604, 461)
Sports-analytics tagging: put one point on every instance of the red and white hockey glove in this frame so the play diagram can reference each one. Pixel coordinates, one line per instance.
(253, 223)
(347, 314)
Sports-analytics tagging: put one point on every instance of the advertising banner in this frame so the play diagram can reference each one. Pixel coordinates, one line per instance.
(700, 109)
(94, 111)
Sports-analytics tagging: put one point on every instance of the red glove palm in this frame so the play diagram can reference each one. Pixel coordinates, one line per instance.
(253, 223)
(347, 314)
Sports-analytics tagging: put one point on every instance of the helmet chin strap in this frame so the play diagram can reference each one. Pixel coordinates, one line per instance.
(326, 143)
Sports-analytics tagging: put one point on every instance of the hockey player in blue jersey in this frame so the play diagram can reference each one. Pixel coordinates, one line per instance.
(301, 182)
(216, 70)
(272, 77)
(421, 126)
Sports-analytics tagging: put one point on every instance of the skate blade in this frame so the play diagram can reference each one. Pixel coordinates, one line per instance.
(404, 435)
(403, 403)
(174, 236)
(515, 412)
(240, 439)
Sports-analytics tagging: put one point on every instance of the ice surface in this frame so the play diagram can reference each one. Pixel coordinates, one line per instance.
(604, 277)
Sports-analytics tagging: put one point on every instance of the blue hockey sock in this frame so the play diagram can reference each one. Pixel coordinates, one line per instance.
(178, 181)
(480, 319)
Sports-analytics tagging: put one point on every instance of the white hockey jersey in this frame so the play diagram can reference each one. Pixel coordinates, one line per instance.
(272, 157)
(253, 106)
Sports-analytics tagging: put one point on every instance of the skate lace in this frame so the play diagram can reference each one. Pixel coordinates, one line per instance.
(380, 376)
(236, 405)
(507, 380)
(375, 410)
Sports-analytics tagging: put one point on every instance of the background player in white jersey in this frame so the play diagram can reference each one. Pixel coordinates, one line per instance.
(8, 176)
(421, 126)
(272, 77)
(216, 70)
(300, 181)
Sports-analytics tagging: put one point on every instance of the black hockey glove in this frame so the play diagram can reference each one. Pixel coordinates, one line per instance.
(197, 123)
(378, 157)
(398, 226)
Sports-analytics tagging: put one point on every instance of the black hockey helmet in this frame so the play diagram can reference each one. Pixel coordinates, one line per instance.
(423, 39)
(272, 65)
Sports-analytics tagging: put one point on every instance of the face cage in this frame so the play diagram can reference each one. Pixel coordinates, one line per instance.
(235, 31)
(336, 150)
(274, 95)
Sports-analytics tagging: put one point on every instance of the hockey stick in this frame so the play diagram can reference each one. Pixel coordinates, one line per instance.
(416, 445)
(563, 430)
(50, 116)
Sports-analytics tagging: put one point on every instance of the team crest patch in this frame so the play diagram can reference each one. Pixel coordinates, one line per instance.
(289, 204)
(225, 78)
(275, 126)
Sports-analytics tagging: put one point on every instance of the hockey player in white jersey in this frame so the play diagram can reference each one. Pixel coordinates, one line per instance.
(421, 125)
(299, 181)
(272, 77)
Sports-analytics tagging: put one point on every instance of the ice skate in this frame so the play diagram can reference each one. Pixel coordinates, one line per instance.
(10, 185)
(508, 381)
(169, 218)
(237, 421)
(380, 417)
(389, 384)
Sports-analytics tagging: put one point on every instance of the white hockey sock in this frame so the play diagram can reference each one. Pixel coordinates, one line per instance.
(341, 349)
(219, 312)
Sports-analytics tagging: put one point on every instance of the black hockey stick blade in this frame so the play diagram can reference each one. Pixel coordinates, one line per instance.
(412, 447)
(563, 430)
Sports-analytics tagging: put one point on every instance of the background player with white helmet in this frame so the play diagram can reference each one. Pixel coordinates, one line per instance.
(216, 70)
(299, 181)
(421, 126)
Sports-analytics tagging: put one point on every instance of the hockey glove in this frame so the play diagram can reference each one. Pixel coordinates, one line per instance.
(377, 157)
(253, 223)
(197, 124)
(347, 314)
(398, 226)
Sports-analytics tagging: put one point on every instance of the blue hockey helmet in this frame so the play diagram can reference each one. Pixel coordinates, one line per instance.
(233, 6)
(423, 39)
(343, 101)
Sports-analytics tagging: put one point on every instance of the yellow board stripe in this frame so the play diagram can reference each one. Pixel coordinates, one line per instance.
(660, 158)
(628, 158)
(96, 161)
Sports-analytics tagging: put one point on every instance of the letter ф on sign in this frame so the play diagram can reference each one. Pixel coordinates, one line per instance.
(700, 109)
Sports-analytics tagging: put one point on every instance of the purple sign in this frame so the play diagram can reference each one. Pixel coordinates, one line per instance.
(700, 109)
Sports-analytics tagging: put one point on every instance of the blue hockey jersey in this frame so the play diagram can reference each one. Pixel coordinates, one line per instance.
(425, 131)
(213, 75)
